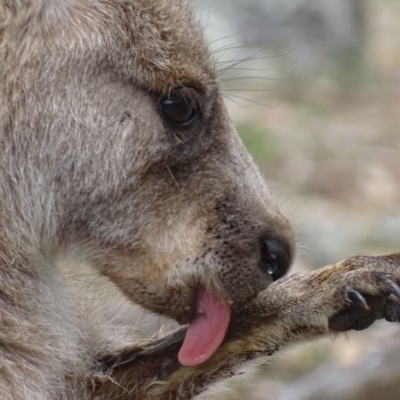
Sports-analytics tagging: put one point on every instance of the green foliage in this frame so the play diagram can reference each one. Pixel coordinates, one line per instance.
(260, 143)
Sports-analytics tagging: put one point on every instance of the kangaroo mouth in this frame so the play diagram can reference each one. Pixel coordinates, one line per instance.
(207, 330)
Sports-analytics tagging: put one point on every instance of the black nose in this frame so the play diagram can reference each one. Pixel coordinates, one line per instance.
(275, 256)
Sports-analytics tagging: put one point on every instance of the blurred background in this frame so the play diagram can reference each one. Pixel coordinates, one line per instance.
(314, 89)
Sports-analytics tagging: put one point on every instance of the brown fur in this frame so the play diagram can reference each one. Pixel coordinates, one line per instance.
(92, 176)
(296, 308)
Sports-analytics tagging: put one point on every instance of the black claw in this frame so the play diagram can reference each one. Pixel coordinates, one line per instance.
(391, 311)
(395, 289)
(357, 297)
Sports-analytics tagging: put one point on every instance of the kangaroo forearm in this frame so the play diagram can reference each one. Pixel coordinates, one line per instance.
(296, 308)
(153, 371)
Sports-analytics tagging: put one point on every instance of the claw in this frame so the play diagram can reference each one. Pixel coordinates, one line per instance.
(395, 289)
(357, 297)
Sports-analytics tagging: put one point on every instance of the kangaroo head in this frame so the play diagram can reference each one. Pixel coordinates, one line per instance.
(119, 151)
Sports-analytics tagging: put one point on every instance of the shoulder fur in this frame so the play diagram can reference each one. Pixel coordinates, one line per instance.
(16, 12)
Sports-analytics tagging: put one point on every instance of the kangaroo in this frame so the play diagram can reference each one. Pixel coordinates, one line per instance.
(117, 156)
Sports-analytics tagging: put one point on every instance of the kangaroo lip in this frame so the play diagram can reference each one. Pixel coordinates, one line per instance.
(207, 330)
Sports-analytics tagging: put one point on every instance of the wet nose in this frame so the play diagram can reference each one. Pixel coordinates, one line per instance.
(275, 255)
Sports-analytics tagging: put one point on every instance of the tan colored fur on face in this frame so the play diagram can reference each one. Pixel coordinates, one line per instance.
(91, 171)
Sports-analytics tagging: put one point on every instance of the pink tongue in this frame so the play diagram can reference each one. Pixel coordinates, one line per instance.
(207, 331)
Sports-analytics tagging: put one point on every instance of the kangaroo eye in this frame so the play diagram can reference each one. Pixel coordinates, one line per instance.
(179, 111)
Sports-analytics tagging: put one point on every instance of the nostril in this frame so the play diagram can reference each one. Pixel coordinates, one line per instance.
(275, 257)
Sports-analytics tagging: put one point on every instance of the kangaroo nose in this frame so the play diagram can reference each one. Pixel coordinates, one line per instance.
(276, 256)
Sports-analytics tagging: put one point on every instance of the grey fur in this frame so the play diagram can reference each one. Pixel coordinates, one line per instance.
(98, 191)
(91, 175)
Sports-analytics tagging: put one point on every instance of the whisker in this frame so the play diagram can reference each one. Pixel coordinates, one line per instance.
(302, 252)
(246, 99)
(283, 67)
(237, 102)
(173, 177)
(264, 78)
(254, 57)
(238, 61)
(177, 138)
(242, 60)
(227, 48)
(248, 90)
(254, 69)
(222, 38)
(248, 59)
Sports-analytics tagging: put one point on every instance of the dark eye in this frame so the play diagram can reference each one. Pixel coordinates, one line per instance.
(179, 111)
(275, 257)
